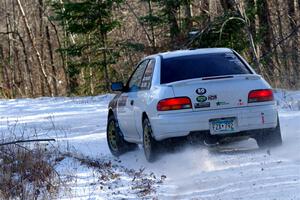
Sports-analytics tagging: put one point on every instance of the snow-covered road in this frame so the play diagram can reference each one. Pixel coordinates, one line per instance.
(236, 171)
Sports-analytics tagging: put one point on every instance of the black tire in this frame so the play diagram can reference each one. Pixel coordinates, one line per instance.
(150, 145)
(269, 137)
(116, 143)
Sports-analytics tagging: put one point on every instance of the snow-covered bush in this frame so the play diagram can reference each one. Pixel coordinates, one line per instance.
(287, 100)
(27, 172)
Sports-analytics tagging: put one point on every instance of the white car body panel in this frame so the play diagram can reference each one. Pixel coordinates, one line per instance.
(233, 92)
(181, 124)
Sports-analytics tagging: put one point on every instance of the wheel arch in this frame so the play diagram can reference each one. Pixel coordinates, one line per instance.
(110, 112)
(144, 116)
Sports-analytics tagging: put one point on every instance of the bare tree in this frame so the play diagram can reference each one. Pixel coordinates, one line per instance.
(33, 43)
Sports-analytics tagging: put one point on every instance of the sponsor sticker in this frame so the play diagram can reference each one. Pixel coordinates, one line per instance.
(221, 103)
(202, 105)
(212, 97)
(201, 99)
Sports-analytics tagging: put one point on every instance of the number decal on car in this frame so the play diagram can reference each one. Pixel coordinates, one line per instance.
(201, 91)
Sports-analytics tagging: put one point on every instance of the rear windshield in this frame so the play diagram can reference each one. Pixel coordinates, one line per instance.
(198, 66)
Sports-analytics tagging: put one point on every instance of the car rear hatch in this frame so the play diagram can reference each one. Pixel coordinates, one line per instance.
(220, 92)
(211, 80)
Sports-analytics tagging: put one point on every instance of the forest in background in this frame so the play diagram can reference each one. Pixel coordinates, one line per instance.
(78, 47)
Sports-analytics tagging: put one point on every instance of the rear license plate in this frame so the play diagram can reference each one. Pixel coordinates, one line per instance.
(225, 125)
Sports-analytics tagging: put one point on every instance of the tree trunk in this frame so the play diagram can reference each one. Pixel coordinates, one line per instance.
(6, 92)
(292, 12)
(107, 81)
(171, 8)
(284, 59)
(54, 72)
(264, 20)
(214, 9)
(90, 72)
(11, 82)
(188, 15)
(153, 39)
(252, 46)
(33, 43)
(21, 84)
(41, 48)
(28, 72)
(62, 56)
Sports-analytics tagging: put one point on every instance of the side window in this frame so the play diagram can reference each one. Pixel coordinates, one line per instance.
(136, 78)
(146, 81)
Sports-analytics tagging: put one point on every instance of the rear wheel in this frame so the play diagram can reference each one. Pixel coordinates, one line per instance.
(269, 137)
(149, 143)
(117, 145)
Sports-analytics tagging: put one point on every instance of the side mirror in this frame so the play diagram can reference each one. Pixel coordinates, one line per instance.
(117, 86)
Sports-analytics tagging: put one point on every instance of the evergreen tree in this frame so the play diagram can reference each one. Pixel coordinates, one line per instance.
(91, 53)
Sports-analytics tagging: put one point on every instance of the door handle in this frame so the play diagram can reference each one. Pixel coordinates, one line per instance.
(132, 102)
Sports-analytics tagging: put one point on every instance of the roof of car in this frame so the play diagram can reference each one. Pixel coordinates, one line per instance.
(177, 53)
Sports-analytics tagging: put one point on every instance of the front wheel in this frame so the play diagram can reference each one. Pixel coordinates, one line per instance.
(269, 137)
(116, 143)
(149, 143)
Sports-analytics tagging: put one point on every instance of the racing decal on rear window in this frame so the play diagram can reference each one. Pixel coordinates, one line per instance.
(146, 81)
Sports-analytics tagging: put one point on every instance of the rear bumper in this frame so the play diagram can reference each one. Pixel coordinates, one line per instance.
(182, 124)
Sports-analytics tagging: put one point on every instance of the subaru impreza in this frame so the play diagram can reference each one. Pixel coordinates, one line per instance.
(210, 92)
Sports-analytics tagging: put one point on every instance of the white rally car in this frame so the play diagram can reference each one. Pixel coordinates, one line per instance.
(210, 92)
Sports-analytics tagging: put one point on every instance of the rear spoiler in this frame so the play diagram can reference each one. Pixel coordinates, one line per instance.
(191, 81)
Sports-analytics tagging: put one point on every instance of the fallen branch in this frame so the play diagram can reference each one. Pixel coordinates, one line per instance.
(25, 141)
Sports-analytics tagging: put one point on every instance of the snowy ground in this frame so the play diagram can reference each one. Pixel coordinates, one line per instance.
(236, 171)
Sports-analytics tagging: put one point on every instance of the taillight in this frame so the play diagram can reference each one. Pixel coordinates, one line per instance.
(260, 96)
(176, 103)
